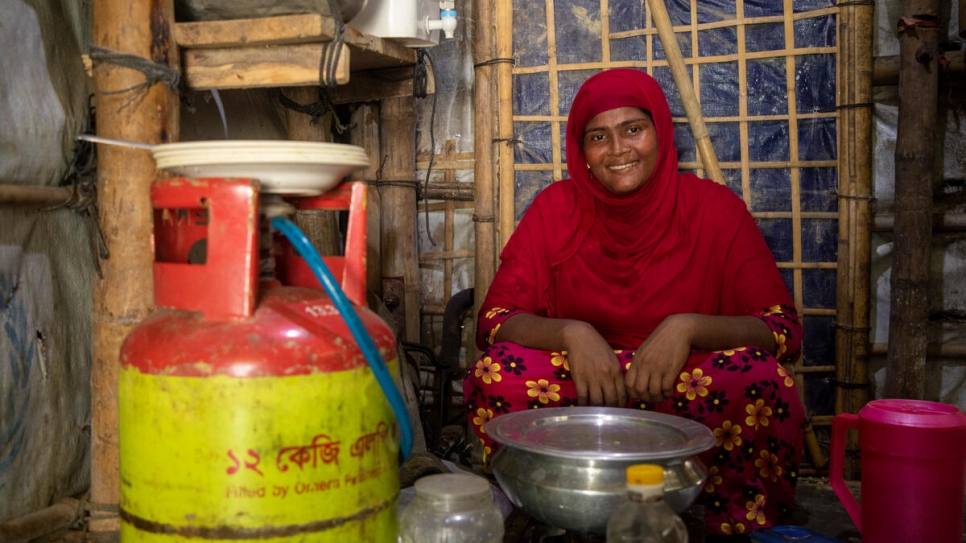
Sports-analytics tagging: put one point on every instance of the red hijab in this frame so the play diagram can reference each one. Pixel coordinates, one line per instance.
(625, 262)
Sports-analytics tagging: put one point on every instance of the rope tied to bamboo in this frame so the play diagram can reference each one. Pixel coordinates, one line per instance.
(907, 23)
(497, 60)
(849, 385)
(844, 106)
(333, 49)
(316, 109)
(837, 194)
(405, 183)
(154, 72)
(847, 328)
(477, 218)
(81, 175)
(509, 141)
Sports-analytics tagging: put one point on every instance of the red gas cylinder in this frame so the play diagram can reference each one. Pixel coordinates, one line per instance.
(248, 411)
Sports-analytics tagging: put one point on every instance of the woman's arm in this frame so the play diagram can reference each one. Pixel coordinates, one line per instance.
(660, 358)
(593, 365)
(713, 333)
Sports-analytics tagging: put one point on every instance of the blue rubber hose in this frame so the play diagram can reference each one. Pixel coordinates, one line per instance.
(362, 337)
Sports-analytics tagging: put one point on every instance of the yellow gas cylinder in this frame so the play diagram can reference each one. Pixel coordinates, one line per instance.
(251, 414)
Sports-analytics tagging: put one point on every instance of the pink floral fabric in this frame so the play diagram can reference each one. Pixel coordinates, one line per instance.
(744, 395)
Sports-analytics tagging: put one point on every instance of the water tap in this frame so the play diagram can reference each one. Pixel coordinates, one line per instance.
(447, 19)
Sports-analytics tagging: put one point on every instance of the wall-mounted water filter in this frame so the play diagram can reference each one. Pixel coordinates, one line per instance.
(414, 23)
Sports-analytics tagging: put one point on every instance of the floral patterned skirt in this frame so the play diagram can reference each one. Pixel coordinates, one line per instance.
(744, 396)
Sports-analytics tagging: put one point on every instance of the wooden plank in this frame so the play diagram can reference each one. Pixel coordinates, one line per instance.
(287, 29)
(400, 255)
(368, 52)
(251, 67)
(281, 51)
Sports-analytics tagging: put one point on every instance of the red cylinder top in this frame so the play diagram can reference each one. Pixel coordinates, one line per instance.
(293, 331)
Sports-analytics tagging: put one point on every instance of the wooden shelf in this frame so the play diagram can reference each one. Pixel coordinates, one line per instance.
(278, 52)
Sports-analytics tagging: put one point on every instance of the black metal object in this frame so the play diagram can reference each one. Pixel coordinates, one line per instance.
(445, 367)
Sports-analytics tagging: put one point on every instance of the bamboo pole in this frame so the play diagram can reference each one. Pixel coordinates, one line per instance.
(125, 294)
(915, 157)
(941, 222)
(886, 71)
(504, 85)
(400, 262)
(364, 132)
(685, 88)
(855, 218)
(34, 195)
(484, 51)
(321, 226)
(855, 212)
(40, 523)
(933, 350)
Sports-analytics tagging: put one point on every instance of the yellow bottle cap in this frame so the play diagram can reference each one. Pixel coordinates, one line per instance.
(645, 474)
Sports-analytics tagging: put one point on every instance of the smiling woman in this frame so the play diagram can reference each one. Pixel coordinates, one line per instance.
(634, 285)
(621, 148)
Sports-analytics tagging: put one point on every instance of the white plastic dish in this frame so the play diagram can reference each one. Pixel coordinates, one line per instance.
(282, 167)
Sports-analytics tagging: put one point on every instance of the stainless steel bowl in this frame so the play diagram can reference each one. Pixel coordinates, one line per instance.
(566, 466)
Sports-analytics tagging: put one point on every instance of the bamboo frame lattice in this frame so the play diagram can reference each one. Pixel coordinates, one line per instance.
(447, 171)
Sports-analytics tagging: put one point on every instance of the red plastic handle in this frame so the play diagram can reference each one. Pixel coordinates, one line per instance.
(225, 286)
(841, 424)
(352, 267)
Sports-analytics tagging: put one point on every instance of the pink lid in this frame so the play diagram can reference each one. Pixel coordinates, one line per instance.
(917, 413)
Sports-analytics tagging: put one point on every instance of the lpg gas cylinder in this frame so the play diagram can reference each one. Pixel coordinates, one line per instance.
(247, 411)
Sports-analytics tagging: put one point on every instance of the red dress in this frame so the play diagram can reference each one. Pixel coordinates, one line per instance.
(623, 263)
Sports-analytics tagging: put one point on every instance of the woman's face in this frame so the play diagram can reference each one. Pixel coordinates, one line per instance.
(621, 148)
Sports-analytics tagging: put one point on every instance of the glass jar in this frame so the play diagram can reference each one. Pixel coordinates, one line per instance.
(451, 508)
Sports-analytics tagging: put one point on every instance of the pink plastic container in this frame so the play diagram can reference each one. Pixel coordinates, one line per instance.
(913, 471)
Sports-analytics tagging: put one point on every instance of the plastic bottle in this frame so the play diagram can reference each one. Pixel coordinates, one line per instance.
(645, 517)
(451, 508)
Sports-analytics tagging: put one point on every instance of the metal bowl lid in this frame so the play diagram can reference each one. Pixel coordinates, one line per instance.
(603, 433)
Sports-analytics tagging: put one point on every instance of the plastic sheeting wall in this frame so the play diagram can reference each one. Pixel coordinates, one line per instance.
(46, 266)
(445, 123)
(946, 378)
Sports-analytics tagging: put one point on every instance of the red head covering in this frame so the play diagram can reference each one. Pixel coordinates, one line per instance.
(639, 222)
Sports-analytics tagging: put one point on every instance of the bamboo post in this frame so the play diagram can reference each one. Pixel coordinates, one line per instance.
(364, 132)
(915, 175)
(40, 523)
(691, 105)
(321, 226)
(33, 195)
(504, 85)
(853, 269)
(124, 296)
(484, 51)
(400, 262)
